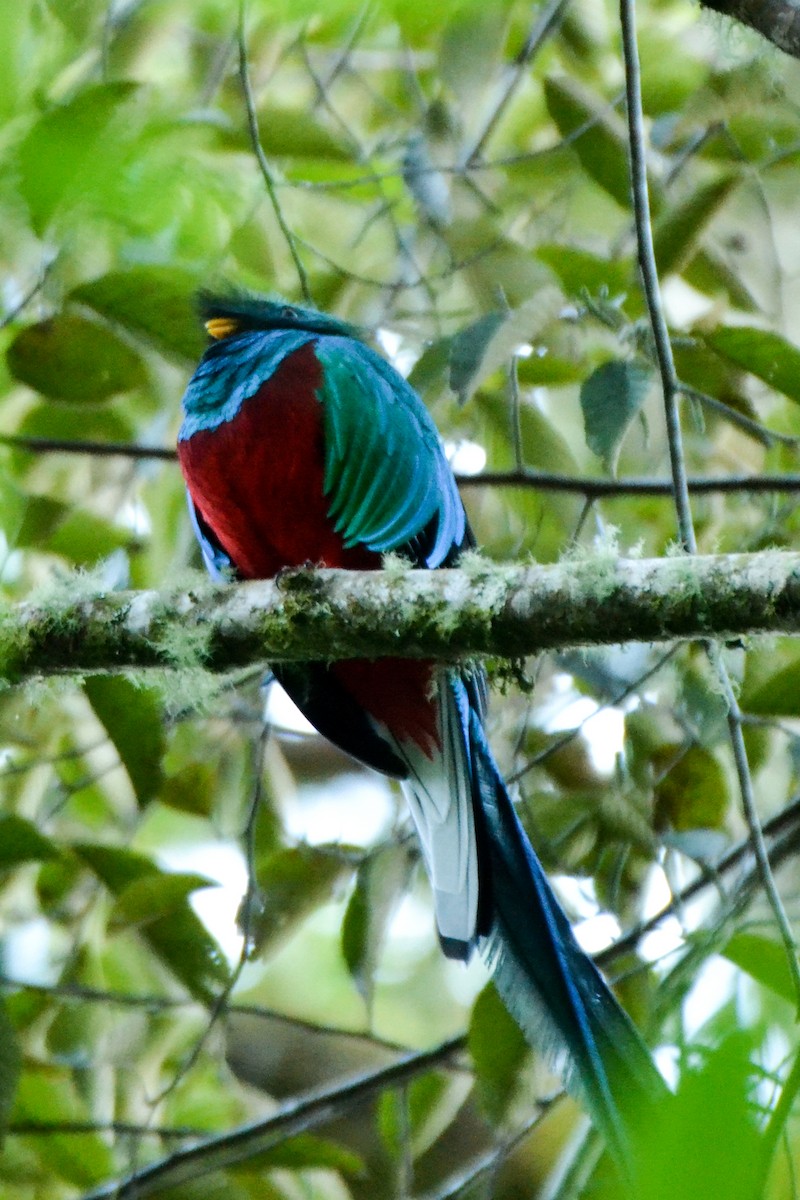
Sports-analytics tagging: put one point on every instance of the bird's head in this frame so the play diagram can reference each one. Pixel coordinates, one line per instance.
(227, 316)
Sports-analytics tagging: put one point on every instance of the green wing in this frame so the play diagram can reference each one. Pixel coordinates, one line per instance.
(385, 471)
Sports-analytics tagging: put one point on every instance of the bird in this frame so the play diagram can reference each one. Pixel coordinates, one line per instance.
(299, 445)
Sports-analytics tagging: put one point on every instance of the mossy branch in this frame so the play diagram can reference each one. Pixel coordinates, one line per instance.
(776, 20)
(480, 609)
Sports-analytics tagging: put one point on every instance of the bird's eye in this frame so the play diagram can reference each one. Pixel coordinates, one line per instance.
(288, 313)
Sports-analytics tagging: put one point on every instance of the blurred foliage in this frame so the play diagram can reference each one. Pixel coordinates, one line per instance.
(473, 210)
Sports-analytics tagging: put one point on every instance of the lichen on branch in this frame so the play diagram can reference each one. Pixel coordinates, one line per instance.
(481, 609)
(776, 20)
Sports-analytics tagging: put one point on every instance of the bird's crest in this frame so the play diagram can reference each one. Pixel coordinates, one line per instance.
(228, 314)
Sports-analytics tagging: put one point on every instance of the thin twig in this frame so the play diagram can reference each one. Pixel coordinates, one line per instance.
(543, 481)
(781, 1114)
(782, 830)
(26, 298)
(63, 1128)
(671, 391)
(546, 23)
(250, 902)
(459, 1184)
(156, 1004)
(516, 424)
(761, 433)
(258, 150)
(221, 1005)
(50, 445)
(325, 102)
(649, 272)
(218, 1152)
(597, 488)
(20, 768)
(630, 689)
(388, 204)
(459, 168)
(735, 726)
(342, 56)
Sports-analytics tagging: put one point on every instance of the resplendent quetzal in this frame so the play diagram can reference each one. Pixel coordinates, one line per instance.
(301, 444)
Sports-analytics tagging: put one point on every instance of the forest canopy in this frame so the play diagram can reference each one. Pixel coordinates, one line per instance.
(207, 912)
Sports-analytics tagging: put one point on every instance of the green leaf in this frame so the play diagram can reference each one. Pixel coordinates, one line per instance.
(669, 80)
(494, 263)
(58, 419)
(764, 960)
(411, 1120)
(525, 522)
(179, 939)
(579, 270)
(156, 302)
(36, 520)
(432, 368)
(710, 374)
(470, 48)
(434, 1101)
(13, 504)
(763, 353)
(55, 880)
(20, 842)
(380, 882)
(597, 135)
(498, 1050)
(191, 789)
(610, 399)
(759, 135)
(152, 897)
(599, 138)
(292, 884)
(75, 1032)
(71, 358)
(543, 369)
(74, 150)
(693, 794)
(132, 717)
(10, 1064)
(305, 1151)
(710, 274)
(467, 351)
(47, 1095)
(681, 226)
(777, 695)
(295, 133)
(489, 343)
(117, 867)
(716, 1097)
(77, 16)
(85, 538)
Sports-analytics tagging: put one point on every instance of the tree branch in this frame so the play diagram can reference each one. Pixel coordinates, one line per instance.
(294, 1117)
(481, 609)
(592, 486)
(671, 390)
(776, 20)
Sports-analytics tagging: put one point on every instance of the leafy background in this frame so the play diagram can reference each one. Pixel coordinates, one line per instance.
(459, 185)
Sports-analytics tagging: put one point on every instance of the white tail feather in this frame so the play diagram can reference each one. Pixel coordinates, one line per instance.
(439, 795)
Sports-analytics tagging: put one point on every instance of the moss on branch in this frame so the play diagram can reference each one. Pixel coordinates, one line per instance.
(481, 609)
(776, 20)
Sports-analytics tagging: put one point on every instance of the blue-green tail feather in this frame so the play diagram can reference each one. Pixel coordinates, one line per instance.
(551, 987)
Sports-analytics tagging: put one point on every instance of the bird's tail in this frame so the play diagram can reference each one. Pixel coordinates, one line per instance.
(549, 985)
